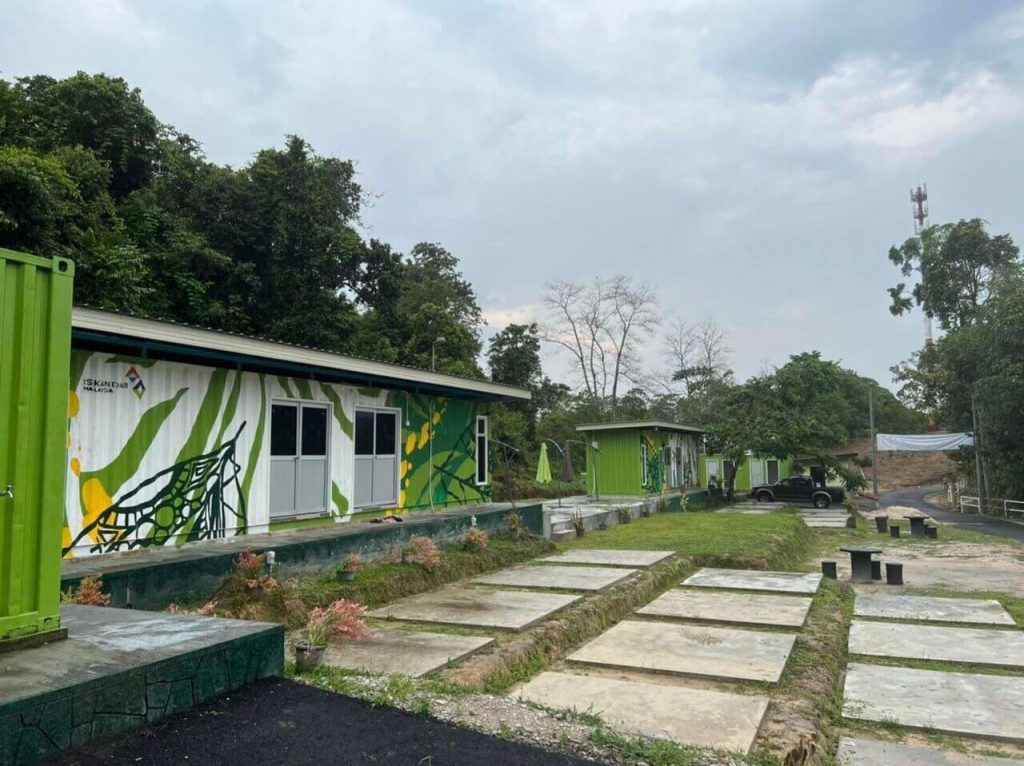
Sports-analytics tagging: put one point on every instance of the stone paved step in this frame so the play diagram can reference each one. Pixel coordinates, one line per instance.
(696, 717)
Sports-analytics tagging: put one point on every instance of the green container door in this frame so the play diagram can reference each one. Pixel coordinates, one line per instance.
(35, 351)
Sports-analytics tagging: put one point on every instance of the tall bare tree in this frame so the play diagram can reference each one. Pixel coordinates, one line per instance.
(602, 324)
(698, 357)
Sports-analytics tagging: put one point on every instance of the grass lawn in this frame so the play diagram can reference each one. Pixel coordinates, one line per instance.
(777, 540)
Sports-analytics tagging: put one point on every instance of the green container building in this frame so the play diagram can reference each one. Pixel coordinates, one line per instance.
(753, 471)
(641, 457)
(35, 352)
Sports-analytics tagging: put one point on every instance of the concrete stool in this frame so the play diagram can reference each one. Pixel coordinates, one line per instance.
(894, 531)
(893, 573)
(828, 569)
(876, 570)
(881, 523)
(932, 532)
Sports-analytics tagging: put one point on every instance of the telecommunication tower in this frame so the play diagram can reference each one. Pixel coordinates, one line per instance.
(919, 203)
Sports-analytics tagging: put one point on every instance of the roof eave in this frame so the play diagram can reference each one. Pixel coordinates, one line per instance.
(154, 338)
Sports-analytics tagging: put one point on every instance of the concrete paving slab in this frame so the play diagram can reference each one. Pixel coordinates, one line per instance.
(980, 646)
(955, 703)
(746, 579)
(457, 605)
(696, 717)
(744, 608)
(871, 752)
(411, 653)
(901, 607)
(695, 650)
(609, 558)
(590, 579)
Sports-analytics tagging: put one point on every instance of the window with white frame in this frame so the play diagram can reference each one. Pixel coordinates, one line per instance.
(481, 449)
(643, 462)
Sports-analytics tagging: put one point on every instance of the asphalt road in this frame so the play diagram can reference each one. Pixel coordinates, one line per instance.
(281, 722)
(915, 498)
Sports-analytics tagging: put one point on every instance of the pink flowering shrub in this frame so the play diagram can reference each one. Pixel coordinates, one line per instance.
(475, 539)
(424, 552)
(352, 563)
(342, 619)
(206, 610)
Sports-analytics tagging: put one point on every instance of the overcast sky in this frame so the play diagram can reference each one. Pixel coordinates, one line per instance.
(753, 159)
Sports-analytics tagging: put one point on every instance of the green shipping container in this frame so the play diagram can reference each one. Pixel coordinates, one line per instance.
(35, 352)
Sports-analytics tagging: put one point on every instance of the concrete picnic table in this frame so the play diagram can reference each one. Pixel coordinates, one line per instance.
(916, 525)
(860, 561)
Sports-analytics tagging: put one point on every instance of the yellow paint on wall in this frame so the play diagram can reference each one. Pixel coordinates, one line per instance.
(76, 466)
(65, 541)
(73, 404)
(401, 499)
(410, 444)
(437, 418)
(406, 465)
(424, 435)
(96, 501)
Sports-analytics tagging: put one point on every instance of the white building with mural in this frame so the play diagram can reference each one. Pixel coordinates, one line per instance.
(178, 434)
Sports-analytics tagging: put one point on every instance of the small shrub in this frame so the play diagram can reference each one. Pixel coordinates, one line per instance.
(624, 516)
(850, 504)
(577, 523)
(662, 506)
(422, 551)
(353, 562)
(684, 503)
(515, 525)
(88, 593)
(249, 563)
(342, 619)
(475, 539)
(206, 610)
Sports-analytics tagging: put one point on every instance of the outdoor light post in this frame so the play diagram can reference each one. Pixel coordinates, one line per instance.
(433, 353)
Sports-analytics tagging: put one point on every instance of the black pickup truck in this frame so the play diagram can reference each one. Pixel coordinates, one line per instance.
(798, 489)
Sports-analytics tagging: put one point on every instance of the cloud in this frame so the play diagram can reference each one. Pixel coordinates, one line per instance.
(752, 160)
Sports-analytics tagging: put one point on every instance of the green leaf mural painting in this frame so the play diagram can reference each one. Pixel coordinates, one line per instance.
(168, 453)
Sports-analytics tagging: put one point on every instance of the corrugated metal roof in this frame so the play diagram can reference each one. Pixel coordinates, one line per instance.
(660, 425)
(147, 331)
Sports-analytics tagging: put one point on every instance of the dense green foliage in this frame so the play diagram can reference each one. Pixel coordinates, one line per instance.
(980, 360)
(87, 171)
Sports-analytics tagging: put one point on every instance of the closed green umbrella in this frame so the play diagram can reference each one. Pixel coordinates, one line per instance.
(543, 467)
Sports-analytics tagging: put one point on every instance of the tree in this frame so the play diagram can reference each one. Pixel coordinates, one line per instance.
(514, 356)
(602, 325)
(958, 264)
(698, 358)
(96, 112)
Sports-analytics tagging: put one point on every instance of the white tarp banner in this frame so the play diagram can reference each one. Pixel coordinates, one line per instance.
(923, 442)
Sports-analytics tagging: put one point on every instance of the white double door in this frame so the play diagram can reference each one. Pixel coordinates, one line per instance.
(376, 448)
(298, 458)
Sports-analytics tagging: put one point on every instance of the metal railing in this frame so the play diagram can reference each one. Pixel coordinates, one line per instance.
(1012, 506)
(970, 504)
(973, 504)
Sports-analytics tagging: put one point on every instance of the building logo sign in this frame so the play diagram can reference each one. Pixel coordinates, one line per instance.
(135, 380)
(132, 382)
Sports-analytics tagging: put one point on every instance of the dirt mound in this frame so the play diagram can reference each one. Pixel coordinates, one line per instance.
(902, 469)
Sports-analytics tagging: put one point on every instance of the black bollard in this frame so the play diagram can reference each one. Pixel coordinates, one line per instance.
(828, 569)
(932, 532)
(894, 573)
(876, 570)
(881, 523)
(894, 531)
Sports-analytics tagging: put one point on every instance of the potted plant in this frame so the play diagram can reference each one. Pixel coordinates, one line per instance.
(349, 567)
(342, 619)
(577, 523)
